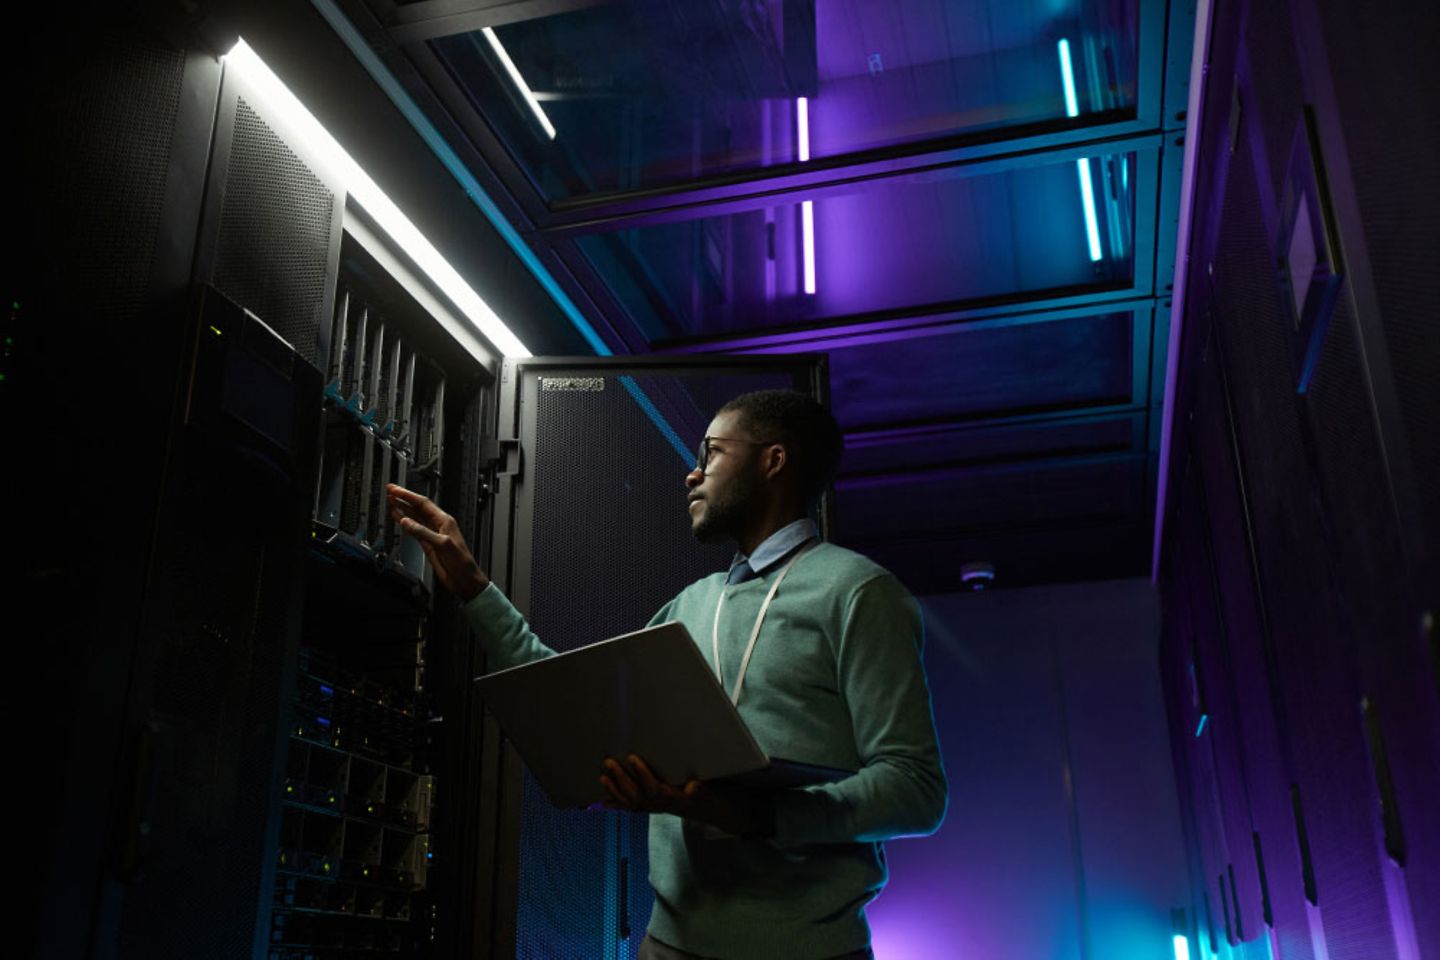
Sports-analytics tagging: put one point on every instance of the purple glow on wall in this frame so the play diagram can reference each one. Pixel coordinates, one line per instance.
(1004, 876)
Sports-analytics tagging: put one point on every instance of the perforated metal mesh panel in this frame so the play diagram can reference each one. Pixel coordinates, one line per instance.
(275, 234)
(104, 173)
(612, 544)
(1393, 139)
(1313, 628)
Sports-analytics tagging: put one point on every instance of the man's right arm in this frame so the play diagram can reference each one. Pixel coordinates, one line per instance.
(506, 638)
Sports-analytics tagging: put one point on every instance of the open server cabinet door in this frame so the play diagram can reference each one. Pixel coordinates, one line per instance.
(589, 538)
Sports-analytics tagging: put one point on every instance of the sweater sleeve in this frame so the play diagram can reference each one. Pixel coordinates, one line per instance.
(900, 788)
(506, 637)
(503, 633)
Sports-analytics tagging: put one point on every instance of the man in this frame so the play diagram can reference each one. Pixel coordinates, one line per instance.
(819, 647)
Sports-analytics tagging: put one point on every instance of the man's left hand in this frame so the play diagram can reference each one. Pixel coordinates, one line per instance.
(633, 786)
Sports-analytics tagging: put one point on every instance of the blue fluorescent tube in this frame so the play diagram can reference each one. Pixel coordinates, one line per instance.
(1067, 74)
(1087, 196)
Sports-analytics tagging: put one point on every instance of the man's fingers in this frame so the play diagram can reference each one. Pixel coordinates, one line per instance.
(406, 494)
(416, 505)
(617, 801)
(422, 533)
(644, 777)
(625, 787)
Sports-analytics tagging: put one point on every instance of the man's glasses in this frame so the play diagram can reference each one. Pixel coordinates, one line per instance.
(702, 458)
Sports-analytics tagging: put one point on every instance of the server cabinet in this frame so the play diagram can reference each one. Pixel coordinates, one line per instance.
(246, 676)
(589, 537)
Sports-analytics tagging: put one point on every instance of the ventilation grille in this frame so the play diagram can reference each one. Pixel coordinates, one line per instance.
(275, 234)
(106, 163)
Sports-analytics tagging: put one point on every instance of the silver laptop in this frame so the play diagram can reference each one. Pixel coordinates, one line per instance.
(650, 693)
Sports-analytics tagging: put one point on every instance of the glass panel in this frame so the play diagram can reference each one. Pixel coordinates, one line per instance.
(644, 93)
(935, 240)
(964, 373)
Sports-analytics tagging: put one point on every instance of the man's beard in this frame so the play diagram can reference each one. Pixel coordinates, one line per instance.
(725, 514)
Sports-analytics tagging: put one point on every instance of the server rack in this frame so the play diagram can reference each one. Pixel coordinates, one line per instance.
(248, 751)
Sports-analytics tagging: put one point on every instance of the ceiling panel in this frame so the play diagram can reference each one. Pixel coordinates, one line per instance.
(961, 502)
(963, 202)
(964, 374)
(610, 97)
(894, 451)
(884, 245)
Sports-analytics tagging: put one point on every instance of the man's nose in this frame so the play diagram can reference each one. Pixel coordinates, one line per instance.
(694, 478)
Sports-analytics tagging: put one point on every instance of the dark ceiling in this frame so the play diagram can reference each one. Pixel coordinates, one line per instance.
(983, 249)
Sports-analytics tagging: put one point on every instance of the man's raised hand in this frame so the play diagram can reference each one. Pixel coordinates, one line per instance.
(439, 536)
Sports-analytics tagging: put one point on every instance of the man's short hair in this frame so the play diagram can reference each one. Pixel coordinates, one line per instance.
(808, 431)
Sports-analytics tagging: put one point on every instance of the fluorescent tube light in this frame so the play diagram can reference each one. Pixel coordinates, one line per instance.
(1087, 187)
(1182, 947)
(1087, 197)
(1067, 73)
(807, 240)
(807, 207)
(519, 81)
(368, 195)
(802, 123)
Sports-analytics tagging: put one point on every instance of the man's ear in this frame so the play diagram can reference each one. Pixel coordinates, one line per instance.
(774, 460)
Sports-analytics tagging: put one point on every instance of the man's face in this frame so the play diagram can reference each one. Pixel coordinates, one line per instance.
(729, 490)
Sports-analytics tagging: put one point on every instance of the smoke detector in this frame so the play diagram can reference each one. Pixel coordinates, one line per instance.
(977, 574)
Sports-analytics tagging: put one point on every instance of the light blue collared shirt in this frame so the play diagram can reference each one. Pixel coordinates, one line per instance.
(774, 549)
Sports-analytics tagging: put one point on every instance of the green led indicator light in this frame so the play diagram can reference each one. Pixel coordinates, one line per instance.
(216, 329)
(2, 376)
(9, 341)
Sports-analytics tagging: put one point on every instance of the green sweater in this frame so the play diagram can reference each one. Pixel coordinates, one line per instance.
(835, 679)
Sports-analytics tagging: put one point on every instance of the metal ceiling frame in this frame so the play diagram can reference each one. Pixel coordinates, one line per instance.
(549, 229)
(1154, 130)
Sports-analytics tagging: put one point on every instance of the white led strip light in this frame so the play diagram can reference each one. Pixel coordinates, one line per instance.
(519, 81)
(364, 191)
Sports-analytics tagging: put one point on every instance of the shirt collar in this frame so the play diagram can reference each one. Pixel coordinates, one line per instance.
(778, 545)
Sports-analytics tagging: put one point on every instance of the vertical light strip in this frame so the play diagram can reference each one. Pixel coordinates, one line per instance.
(368, 195)
(519, 81)
(807, 207)
(807, 240)
(1067, 72)
(1082, 166)
(802, 125)
(1087, 197)
(1182, 947)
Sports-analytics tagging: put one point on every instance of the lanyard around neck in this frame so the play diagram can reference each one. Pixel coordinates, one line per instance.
(754, 633)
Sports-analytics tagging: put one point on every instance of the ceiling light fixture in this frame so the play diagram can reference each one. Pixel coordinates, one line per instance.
(807, 207)
(1082, 166)
(364, 191)
(519, 81)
